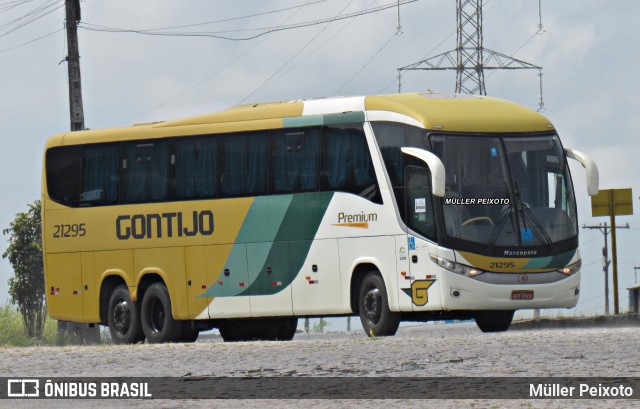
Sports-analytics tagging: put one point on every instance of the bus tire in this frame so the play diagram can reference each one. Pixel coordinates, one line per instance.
(233, 331)
(189, 332)
(376, 317)
(494, 321)
(157, 322)
(124, 317)
(287, 330)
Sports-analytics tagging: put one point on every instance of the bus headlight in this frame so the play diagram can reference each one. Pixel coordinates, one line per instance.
(571, 269)
(457, 268)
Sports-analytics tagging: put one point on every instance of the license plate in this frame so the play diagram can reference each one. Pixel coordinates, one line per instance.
(522, 295)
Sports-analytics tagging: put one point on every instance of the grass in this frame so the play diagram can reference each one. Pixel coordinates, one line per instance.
(12, 333)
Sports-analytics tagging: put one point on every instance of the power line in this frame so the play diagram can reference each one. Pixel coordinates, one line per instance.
(30, 17)
(368, 62)
(258, 32)
(10, 5)
(320, 46)
(199, 83)
(217, 21)
(4, 50)
(292, 58)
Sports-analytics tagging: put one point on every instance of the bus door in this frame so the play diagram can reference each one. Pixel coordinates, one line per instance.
(420, 219)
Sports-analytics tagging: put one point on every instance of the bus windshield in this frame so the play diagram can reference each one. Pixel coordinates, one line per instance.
(506, 191)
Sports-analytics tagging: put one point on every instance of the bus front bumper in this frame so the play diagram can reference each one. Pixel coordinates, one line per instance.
(463, 293)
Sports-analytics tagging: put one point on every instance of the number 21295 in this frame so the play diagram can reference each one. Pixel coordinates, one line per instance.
(69, 230)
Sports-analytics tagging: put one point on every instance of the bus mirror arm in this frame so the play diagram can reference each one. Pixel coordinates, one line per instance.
(593, 177)
(435, 166)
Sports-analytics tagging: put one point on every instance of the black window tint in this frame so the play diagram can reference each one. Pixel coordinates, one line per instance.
(346, 162)
(195, 171)
(295, 160)
(419, 210)
(144, 171)
(100, 174)
(63, 174)
(391, 137)
(244, 164)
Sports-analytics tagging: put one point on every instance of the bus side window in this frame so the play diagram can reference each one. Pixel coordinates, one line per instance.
(100, 174)
(195, 168)
(295, 160)
(346, 162)
(63, 174)
(244, 160)
(419, 213)
(144, 171)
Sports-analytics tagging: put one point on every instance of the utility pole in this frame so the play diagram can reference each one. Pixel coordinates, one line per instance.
(605, 264)
(72, 8)
(88, 333)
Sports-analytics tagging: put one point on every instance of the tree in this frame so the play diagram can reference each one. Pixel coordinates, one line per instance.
(26, 287)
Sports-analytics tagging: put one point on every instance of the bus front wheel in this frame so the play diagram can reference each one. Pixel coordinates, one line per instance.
(157, 322)
(494, 321)
(124, 317)
(376, 317)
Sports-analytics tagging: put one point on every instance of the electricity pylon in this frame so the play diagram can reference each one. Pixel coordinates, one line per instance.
(470, 59)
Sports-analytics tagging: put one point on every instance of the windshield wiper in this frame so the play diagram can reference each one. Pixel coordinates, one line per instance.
(501, 222)
(528, 214)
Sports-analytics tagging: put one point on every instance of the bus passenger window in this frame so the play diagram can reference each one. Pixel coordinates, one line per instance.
(195, 168)
(295, 160)
(244, 164)
(99, 174)
(63, 174)
(144, 171)
(346, 162)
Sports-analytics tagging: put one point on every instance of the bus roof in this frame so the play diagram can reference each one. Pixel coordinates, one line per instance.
(435, 111)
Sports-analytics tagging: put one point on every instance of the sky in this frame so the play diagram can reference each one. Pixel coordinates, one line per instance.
(586, 49)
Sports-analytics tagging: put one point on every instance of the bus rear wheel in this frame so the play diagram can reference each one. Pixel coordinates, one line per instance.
(124, 317)
(287, 329)
(494, 321)
(157, 322)
(376, 317)
(189, 332)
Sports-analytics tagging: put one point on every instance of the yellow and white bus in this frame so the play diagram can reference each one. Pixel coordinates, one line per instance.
(418, 207)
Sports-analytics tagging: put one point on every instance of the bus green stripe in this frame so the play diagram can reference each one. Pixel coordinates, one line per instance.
(292, 243)
(317, 120)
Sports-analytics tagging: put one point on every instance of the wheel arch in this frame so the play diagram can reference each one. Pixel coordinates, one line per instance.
(358, 273)
(110, 281)
(146, 280)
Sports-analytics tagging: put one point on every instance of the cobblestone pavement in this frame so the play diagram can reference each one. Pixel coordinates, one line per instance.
(425, 350)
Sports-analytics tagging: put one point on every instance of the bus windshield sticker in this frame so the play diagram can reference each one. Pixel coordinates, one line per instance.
(527, 234)
(421, 205)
